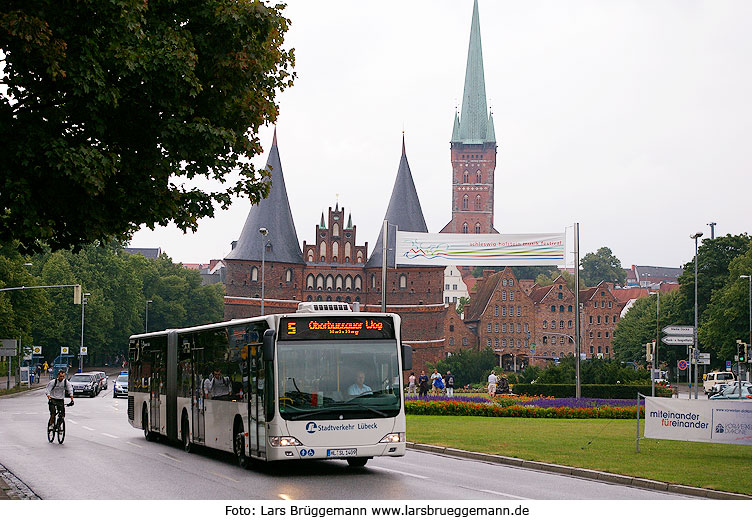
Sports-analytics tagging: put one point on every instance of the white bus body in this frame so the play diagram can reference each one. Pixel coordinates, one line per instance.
(306, 385)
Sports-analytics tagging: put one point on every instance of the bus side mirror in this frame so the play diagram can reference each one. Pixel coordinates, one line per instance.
(407, 357)
(268, 345)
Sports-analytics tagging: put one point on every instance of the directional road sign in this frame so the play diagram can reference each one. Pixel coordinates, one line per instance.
(678, 339)
(679, 330)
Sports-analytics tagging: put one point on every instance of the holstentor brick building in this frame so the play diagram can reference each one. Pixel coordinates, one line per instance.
(505, 314)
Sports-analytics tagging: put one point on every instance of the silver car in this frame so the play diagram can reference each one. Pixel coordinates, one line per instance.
(732, 392)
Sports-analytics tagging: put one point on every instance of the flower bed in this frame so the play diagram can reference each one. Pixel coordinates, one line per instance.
(515, 407)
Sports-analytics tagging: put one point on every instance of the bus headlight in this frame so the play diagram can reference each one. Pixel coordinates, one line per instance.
(283, 441)
(393, 438)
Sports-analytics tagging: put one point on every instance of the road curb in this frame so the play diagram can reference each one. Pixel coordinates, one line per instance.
(13, 488)
(613, 478)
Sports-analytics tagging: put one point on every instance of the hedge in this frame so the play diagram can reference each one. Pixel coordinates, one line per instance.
(593, 391)
(458, 408)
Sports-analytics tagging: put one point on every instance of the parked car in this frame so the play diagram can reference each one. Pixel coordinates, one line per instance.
(120, 386)
(85, 383)
(732, 391)
(713, 378)
(102, 380)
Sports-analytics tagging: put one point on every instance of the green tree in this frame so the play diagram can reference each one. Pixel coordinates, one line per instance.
(714, 259)
(592, 372)
(462, 303)
(548, 278)
(640, 324)
(602, 266)
(105, 103)
(726, 317)
(468, 366)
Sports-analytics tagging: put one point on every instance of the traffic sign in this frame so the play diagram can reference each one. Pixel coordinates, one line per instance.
(682, 364)
(37, 350)
(703, 356)
(679, 330)
(728, 366)
(84, 350)
(687, 340)
(63, 350)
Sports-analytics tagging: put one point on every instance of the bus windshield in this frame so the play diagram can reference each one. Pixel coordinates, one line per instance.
(338, 379)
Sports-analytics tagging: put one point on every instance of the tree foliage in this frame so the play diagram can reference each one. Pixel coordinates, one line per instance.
(111, 109)
(592, 372)
(600, 266)
(468, 366)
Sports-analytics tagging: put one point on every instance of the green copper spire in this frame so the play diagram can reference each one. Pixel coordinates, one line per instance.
(491, 136)
(349, 222)
(474, 117)
(322, 224)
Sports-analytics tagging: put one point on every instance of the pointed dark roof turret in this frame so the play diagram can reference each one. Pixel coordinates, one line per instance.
(274, 214)
(404, 211)
(473, 121)
(322, 224)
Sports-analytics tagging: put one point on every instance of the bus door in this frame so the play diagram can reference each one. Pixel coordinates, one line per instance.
(198, 404)
(155, 389)
(257, 426)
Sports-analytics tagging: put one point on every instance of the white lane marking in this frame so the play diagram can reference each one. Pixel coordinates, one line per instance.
(73, 422)
(31, 413)
(492, 492)
(110, 435)
(87, 428)
(395, 471)
(170, 457)
(223, 476)
(134, 445)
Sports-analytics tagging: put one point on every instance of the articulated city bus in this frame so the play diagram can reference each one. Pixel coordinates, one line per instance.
(321, 383)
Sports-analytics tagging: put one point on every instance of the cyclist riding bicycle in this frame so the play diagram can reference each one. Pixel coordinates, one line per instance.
(57, 389)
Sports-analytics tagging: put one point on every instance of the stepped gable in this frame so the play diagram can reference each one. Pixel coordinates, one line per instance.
(274, 214)
(404, 212)
(485, 288)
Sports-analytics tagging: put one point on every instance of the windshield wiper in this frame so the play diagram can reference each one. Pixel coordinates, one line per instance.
(314, 413)
(361, 405)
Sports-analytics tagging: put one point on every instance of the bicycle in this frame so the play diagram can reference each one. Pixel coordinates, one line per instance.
(57, 427)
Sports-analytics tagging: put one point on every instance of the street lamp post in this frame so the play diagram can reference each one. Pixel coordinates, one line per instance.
(146, 317)
(696, 236)
(657, 340)
(264, 232)
(80, 356)
(748, 277)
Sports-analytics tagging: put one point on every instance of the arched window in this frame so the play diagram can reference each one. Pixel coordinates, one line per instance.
(348, 283)
(358, 283)
(360, 256)
(329, 282)
(320, 282)
(477, 228)
(335, 230)
(503, 296)
(403, 281)
(310, 255)
(335, 250)
(348, 249)
(545, 324)
(465, 178)
(478, 178)
(465, 202)
(322, 250)
(561, 309)
(254, 274)
(561, 324)
(373, 281)
(545, 340)
(288, 275)
(464, 228)
(338, 283)
(310, 281)
(477, 203)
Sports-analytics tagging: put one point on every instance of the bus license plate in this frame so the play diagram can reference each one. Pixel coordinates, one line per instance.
(342, 452)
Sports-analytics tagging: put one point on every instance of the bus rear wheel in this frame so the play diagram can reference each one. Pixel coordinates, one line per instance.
(185, 436)
(148, 435)
(238, 444)
(357, 462)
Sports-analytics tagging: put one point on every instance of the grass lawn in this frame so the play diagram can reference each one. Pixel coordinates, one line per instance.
(604, 445)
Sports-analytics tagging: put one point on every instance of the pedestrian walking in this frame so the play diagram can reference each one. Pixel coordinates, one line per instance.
(449, 381)
(492, 380)
(423, 384)
(412, 387)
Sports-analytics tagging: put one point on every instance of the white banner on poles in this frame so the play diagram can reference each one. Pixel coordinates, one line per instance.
(421, 248)
(725, 421)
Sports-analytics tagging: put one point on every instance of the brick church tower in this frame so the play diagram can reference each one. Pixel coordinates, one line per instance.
(473, 150)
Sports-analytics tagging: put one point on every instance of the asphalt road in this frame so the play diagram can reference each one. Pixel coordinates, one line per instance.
(103, 457)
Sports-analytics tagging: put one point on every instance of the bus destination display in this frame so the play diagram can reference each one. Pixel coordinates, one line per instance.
(318, 328)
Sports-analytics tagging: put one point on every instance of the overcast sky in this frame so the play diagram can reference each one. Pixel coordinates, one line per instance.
(633, 118)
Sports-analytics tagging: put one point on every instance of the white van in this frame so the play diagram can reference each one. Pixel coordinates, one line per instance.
(716, 378)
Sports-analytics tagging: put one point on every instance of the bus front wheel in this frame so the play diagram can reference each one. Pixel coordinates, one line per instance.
(238, 438)
(357, 462)
(148, 435)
